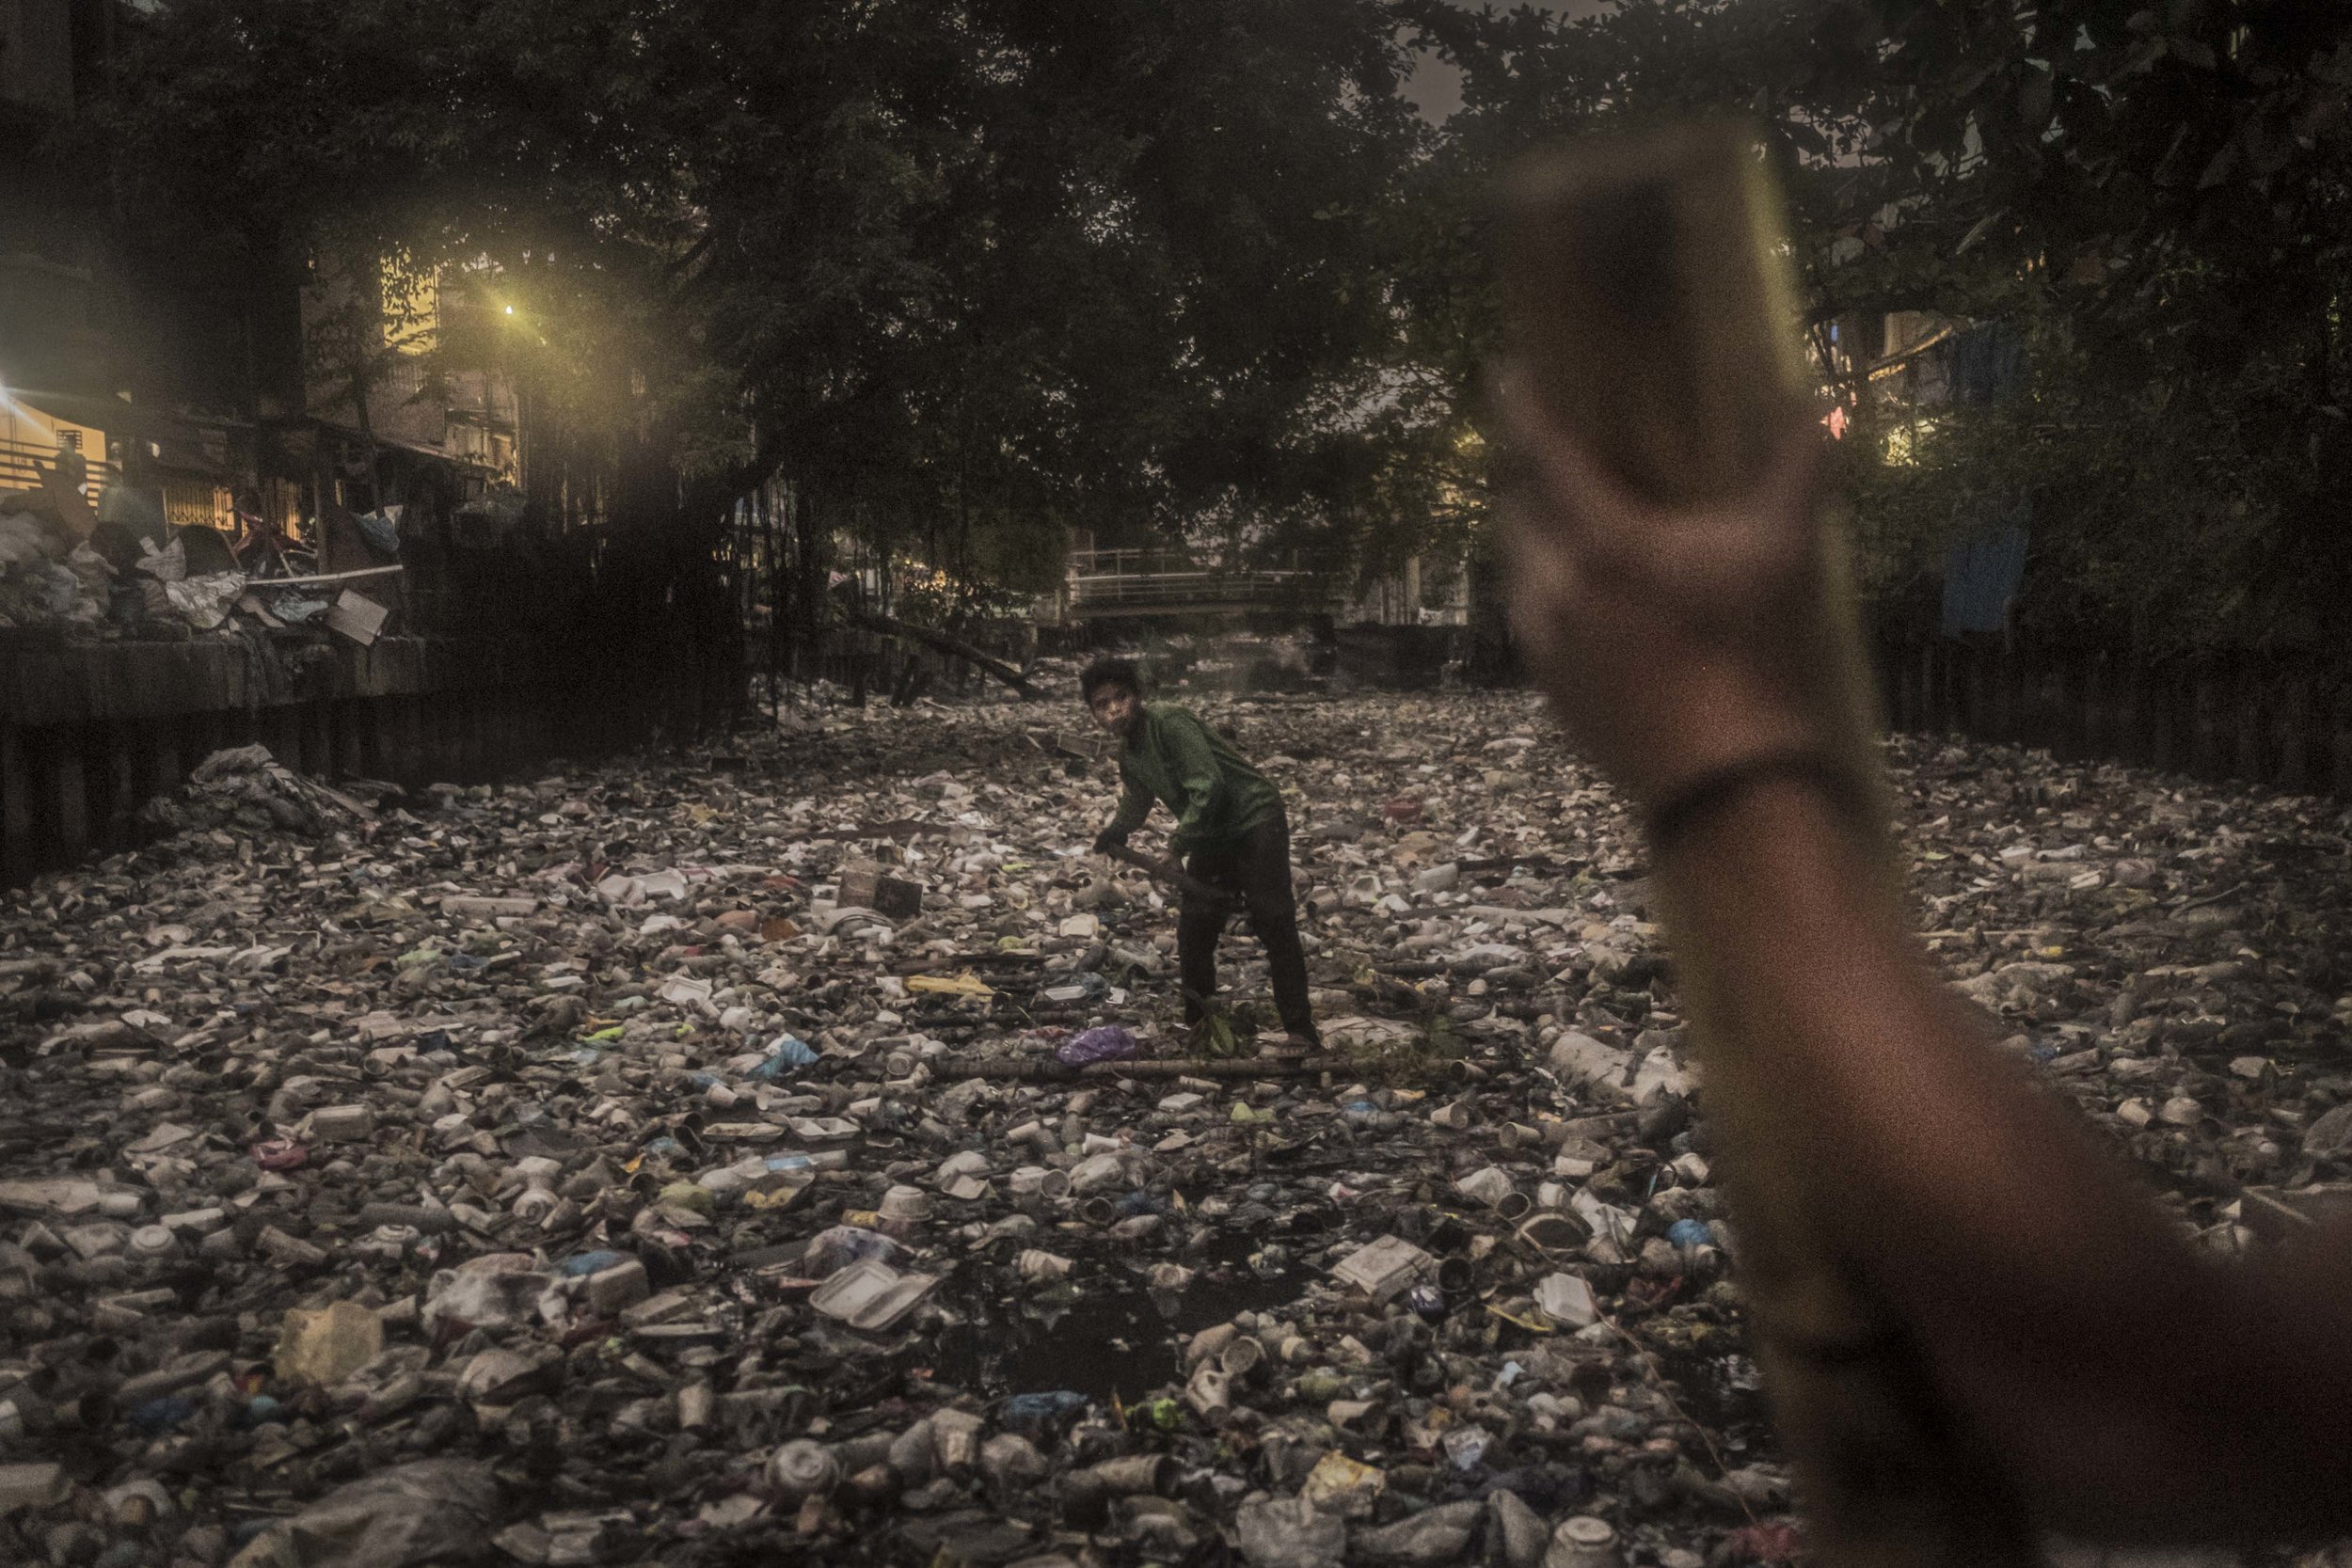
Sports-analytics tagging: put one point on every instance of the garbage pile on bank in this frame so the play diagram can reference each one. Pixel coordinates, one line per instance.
(567, 1173)
(246, 788)
(117, 570)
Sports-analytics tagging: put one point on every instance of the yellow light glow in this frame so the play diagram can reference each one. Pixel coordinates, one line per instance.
(412, 304)
(1905, 442)
(510, 310)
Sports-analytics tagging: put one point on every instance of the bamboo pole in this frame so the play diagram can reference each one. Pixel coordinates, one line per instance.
(1647, 298)
(1045, 1069)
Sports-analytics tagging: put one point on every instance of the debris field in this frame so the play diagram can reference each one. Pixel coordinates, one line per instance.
(790, 1151)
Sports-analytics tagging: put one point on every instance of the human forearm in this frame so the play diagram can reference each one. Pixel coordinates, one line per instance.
(1134, 809)
(2058, 1308)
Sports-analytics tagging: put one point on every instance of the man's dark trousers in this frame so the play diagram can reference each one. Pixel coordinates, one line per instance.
(1259, 868)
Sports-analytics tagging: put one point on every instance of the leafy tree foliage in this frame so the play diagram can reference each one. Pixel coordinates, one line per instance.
(969, 276)
(964, 274)
(2152, 196)
(2157, 197)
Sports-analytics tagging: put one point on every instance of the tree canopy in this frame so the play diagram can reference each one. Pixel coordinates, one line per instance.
(950, 268)
(970, 275)
(2151, 199)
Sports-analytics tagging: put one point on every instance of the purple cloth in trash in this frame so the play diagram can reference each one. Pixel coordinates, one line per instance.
(1108, 1044)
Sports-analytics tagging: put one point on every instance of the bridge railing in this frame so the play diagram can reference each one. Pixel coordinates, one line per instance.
(1106, 578)
(22, 465)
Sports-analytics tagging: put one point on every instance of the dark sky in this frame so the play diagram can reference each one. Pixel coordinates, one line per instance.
(1437, 87)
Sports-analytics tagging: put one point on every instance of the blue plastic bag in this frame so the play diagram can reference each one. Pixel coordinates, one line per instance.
(786, 1055)
(1039, 1415)
(1690, 1233)
(591, 1262)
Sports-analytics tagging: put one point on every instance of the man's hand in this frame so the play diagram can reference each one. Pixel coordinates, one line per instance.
(1671, 643)
(2120, 1386)
(1110, 841)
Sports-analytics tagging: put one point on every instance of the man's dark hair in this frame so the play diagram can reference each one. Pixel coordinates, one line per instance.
(1109, 671)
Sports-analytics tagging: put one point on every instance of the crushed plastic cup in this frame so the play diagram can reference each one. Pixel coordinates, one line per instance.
(1567, 1300)
(1583, 1541)
(844, 1244)
(800, 1469)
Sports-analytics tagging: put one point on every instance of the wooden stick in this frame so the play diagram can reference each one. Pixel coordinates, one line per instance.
(947, 644)
(1172, 875)
(252, 583)
(1046, 1070)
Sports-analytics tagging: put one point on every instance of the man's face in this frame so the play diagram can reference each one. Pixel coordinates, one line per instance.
(1115, 708)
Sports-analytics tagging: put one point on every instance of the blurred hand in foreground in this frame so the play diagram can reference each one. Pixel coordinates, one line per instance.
(1672, 641)
(2056, 1319)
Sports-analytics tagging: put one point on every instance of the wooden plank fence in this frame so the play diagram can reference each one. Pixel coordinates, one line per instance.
(2246, 716)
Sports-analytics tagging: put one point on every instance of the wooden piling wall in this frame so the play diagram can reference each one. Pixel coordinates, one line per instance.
(2246, 717)
(88, 732)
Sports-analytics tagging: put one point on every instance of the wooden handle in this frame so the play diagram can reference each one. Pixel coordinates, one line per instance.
(1172, 874)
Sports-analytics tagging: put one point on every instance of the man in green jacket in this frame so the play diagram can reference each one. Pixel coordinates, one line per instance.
(1231, 829)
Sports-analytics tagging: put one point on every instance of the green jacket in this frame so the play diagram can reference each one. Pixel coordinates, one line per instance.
(1175, 758)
